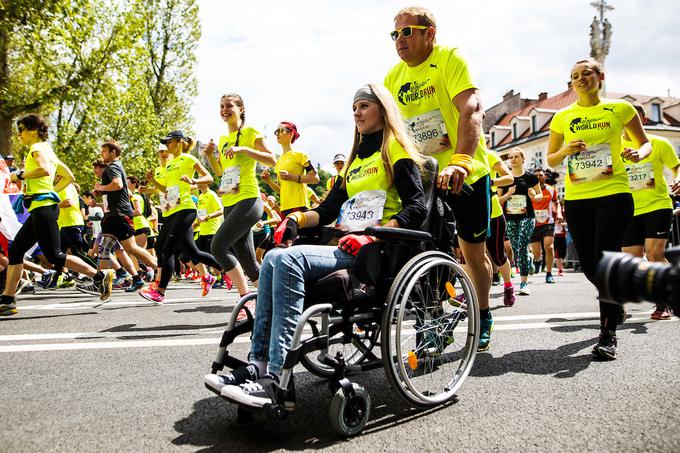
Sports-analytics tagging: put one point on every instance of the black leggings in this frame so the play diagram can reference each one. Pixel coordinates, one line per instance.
(597, 225)
(495, 243)
(177, 235)
(41, 227)
(71, 237)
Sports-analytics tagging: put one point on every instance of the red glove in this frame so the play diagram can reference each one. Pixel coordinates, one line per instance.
(287, 230)
(353, 242)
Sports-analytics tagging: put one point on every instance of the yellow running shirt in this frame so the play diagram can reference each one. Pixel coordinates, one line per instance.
(599, 170)
(139, 221)
(178, 192)
(645, 178)
(238, 181)
(208, 203)
(496, 209)
(70, 216)
(159, 175)
(424, 94)
(369, 175)
(44, 184)
(293, 193)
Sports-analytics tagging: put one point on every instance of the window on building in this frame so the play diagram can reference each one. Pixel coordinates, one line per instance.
(493, 139)
(656, 113)
(514, 131)
(534, 124)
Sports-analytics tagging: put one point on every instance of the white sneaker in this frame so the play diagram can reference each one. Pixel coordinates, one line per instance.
(524, 289)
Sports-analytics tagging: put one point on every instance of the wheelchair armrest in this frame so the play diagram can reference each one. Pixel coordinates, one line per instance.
(388, 233)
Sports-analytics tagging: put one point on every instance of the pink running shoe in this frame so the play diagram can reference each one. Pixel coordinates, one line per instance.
(227, 282)
(242, 315)
(207, 283)
(152, 294)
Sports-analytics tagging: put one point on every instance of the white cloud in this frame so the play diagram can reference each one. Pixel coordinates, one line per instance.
(301, 61)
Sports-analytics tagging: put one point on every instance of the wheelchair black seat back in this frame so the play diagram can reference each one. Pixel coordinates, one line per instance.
(407, 297)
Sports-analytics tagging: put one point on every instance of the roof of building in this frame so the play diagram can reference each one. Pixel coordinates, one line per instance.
(567, 97)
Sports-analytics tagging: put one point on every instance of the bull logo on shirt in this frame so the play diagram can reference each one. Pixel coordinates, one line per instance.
(413, 91)
(586, 124)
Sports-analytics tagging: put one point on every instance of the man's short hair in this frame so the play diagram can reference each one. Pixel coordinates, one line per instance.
(99, 163)
(640, 109)
(88, 193)
(424, 15)
(113, 147)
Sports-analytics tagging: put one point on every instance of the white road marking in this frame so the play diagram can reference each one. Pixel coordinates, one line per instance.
(214, 340)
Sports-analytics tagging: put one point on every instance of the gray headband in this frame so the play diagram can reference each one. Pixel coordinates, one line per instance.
(365, 92)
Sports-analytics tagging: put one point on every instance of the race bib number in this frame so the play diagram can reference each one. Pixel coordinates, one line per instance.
(202, 214)
(542, 215)
(172, 197)
(363, 210)
(641, 176)
(429, 132)
(516, 204)
(164, 202)
(230, 179)
(593, 164)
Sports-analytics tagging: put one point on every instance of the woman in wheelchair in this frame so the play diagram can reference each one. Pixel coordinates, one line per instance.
(382, 186)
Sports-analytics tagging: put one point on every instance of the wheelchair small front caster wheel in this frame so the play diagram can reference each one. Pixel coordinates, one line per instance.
(350, 415)
(244, 416)
(276, 411)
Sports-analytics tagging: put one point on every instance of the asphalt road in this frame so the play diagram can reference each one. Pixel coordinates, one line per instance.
(127, 376)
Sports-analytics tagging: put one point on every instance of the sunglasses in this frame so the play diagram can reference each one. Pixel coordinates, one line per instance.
(406, 31)
(280, 131)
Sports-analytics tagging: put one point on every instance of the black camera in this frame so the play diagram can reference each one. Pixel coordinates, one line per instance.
(621, 277)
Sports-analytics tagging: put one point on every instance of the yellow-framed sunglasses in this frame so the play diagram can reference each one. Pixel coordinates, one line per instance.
(406, 31)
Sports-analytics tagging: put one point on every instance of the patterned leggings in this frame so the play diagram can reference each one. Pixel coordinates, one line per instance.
(519, 233)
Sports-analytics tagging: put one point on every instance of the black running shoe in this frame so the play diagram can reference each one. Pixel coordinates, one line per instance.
(237, 376)
(606, 346)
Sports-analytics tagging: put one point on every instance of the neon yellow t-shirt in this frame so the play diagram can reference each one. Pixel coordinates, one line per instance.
(496, 208)
(238, 181)
(44, 184)
(369, 174)
(599, 171)
(424, 94)
(159, 175)
(139, 221)
(645, 178)
(293, 193)
(208, 203)
(70, 216)
(178, 192)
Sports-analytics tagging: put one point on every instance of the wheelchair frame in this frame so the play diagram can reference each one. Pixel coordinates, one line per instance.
(392, 321)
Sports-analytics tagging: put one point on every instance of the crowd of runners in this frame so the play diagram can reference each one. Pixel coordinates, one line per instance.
(200, 214)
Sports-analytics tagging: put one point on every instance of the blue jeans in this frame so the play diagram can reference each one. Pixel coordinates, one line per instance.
(281, 295)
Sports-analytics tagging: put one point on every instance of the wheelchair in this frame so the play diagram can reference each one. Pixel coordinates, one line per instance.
(407, 307)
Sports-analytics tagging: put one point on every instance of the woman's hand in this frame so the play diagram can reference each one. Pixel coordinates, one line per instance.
(286, 232)
(209, 149)
(353, 242)
(149, 176)
(632, 155)
(285, 176)
(187, 179)
(511, 190)
(574, 146)
(231, 152)
(265, 175)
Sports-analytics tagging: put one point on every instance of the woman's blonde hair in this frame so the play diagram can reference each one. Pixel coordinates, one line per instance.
(395, 128)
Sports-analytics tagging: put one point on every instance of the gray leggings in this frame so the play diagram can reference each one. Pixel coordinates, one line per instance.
(236, 238)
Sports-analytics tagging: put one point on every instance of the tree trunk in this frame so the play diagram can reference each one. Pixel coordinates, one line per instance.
(5, 134)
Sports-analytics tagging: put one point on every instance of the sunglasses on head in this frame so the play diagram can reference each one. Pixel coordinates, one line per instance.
(406, 31)
(281, 130)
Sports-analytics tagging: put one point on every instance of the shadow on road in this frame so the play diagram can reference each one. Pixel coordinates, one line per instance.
(24, 318)
(212, 423)
(561, 362)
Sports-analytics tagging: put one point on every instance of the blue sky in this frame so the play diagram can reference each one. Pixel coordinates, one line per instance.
(302, 61)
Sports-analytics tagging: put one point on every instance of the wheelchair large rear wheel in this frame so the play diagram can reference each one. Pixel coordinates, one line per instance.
(354, 349)
(430, 329)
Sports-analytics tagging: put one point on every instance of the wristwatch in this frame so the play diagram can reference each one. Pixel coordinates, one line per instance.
(20, 175)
